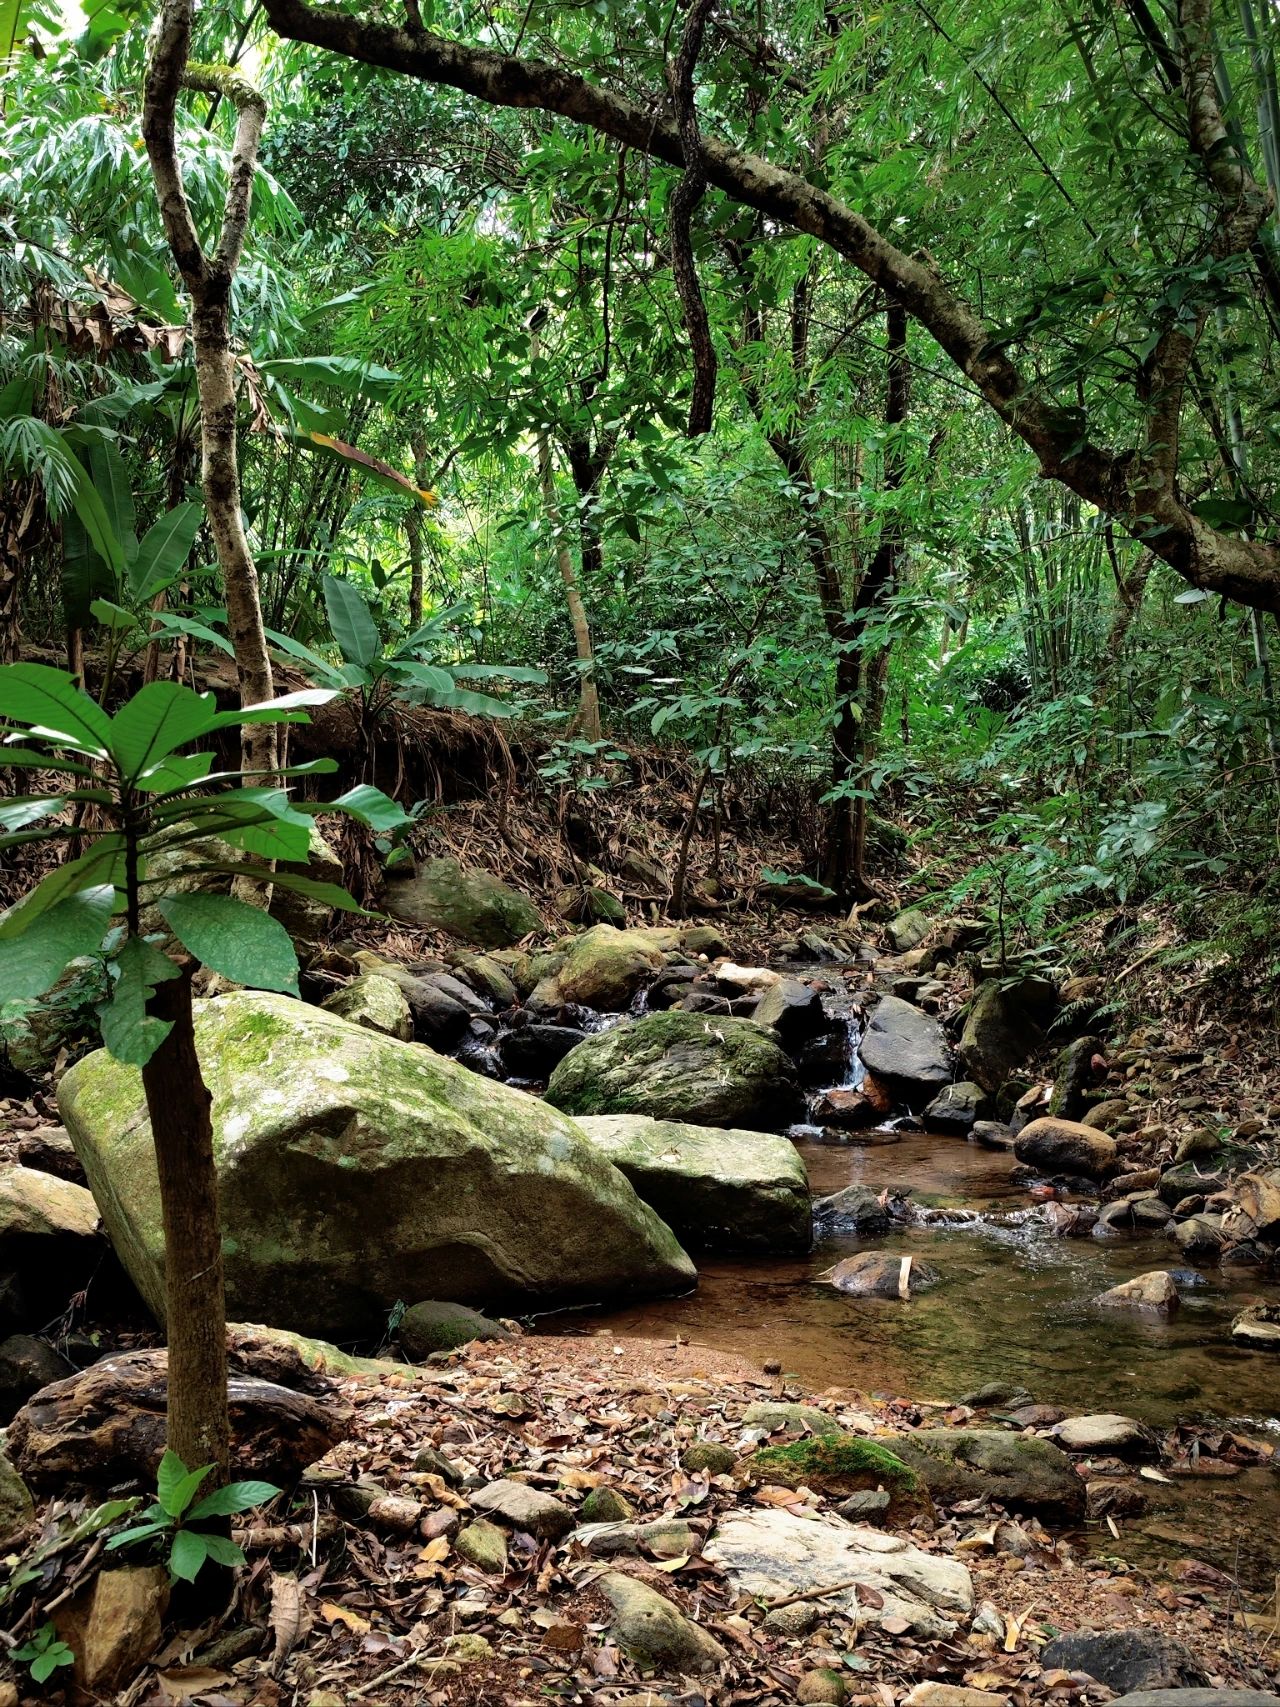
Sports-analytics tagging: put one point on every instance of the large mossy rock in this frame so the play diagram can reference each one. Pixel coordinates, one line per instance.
(474, 906)
(376, 1003)
(681, 1066)
(907, 1050)
(356, 1171)
(717, 1190)
(605, 968)
(1021, 1471)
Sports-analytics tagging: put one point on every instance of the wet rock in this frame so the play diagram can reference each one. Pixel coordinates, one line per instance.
(1115, 1499)
(1200, 1237)
(525, 1508)
(907, 1050)
(772, 1553)
(1036, 1416)
(999, 1034)
(441, 1326)
(431, 1461)
(483, 1545)
(856, 1209)
(488, 978)
(1177, 1183)
(1258, 1326)
(1154, 1293)
(16, 1505)
(375, 1003)
(1004, 1393)
(680, 1066)
(992, 1135)
(883, 1274)
(26, 1365)
(907, 931)
(956, 1107)
(716, 1188)
(113, 1626)
(650, 1629)
(1019, 1471)
(1255, 1213)
(709, 1457)
(794, 1010)
(441, 1009)
(355, 1171)
(1107, 1434)
(474, 906)
(1057, 1146)
(1124, 1185)
(1126, 1659)
(534, 1051)
(850, 1108)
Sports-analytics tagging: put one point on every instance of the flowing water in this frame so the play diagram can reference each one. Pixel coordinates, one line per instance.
(1015, 1304)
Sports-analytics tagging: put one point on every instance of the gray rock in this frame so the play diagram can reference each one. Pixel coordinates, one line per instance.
(474, 906)
(883, 1274)
(773, 1553)
(355, 1171)
(374, 1002)
(1073, 1074)
(1197, 1698)
(906, 1048)
(856, 1209)
(993, 1135)
(26, 1365)
(1187, 1180)
(1200, 1236)
(1155, 1292)
(482, 1544)
(525, 1508)
(684, 1067)
(534, 1051)
(907, 931)
(999, 1034)
(1020, 1471)
(1108, 1434)
(665, 1537)
(717, 1189)
(871, 1505)
(1006, 1393)
(794, 1010)
(775, 1414)
(1126, 1659)
(653, 1632)
(956, 1107)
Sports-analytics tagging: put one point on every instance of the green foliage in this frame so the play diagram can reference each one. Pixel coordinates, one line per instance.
(43, 1652)
(153, 799)
(177, 1518)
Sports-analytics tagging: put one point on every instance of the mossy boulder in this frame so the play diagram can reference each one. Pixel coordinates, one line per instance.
(717, 1189)
(434, 1326)
(591, 906)
(474, 906)
(356, 1170)
(845, 1464)
(681, 1066)
(999, 1034)
(376, 1003)
(604, 968)
(1020, 1471)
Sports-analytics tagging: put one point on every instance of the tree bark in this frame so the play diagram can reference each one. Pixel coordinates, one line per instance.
(178, 1104)
(208, 279)
(588, 697)
(1136, 486)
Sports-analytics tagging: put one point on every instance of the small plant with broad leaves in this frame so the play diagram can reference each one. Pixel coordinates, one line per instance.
(180, 1518)
(133, 795)
(43, 1652)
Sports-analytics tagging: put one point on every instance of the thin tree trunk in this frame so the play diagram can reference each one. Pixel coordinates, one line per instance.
(178, 1104)
(413, 527)
(208, 279)
(588, 697)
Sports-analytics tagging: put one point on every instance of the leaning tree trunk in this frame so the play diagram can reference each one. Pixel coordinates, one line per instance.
(178, 1104)
(588, 698)
(208, 278)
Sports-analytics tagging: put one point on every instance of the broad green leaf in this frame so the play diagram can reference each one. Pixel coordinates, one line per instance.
(188, 1553)
(168, 625)
(129, 1032)
(163, 550)
(223, 1551)
(29, 810)
(111, 481)
(499, 672)
(331, 894)
(49, 703)
(92, 515)
(236, 1496)
(27, 758)
(177, 772)
(113, 616)
(351, 621)
(160, 718)
(315, 663)
(289, 708)
(343, 373)
(371, 806)
(102, 865)
(241, 942)
(139, 1532)
(176, 1486)
(33, 962)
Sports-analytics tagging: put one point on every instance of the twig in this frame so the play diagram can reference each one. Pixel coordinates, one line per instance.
(418, 1659)
(809, 1594)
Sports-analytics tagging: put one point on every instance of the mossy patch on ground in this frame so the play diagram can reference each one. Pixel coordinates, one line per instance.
(845, 1464)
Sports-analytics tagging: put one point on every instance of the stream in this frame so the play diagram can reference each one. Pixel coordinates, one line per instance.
(1015, 1305)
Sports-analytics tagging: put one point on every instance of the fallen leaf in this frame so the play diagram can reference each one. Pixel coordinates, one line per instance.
(332, 1613)
(180, 1683)
(289, 1618)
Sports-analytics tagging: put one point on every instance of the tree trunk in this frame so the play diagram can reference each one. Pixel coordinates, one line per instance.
(413, 528)
(178, 1104)
(588, 698)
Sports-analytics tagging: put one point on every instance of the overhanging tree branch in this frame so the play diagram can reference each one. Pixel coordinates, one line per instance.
(1118, 483)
